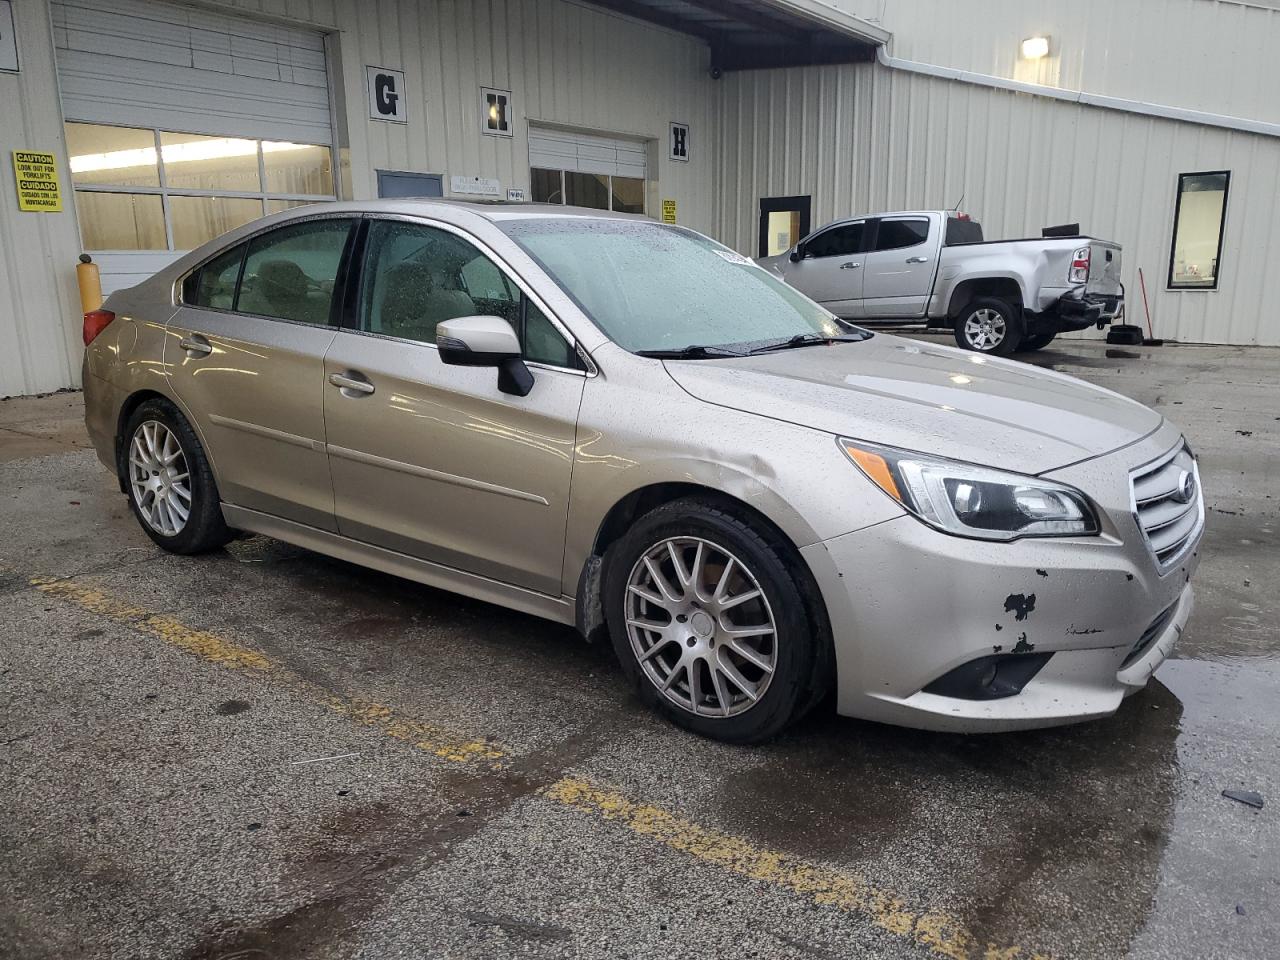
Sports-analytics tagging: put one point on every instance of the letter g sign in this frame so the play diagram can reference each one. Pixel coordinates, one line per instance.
(386, 95)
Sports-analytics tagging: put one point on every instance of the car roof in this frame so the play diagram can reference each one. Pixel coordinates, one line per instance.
(453, 210)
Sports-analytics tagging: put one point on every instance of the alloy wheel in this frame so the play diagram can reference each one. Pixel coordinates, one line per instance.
(701, 627)
(159, 478)
(985, 329)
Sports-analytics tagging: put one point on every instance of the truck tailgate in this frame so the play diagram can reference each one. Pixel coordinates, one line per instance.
(1104, 269)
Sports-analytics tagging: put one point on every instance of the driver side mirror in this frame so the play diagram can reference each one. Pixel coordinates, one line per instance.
(485, 342)
(797, 253)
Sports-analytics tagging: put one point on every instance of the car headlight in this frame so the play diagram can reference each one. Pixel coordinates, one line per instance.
(973, 501)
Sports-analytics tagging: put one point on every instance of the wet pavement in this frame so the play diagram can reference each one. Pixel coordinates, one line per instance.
(264, 753)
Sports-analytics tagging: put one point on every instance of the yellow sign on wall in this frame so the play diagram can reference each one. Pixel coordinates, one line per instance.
(37, 178)
(668, 211)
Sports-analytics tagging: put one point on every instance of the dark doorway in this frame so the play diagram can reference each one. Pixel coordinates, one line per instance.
(783, 221)
(392, 183)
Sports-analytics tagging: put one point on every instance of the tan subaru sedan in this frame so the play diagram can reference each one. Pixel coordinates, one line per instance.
(627, 427)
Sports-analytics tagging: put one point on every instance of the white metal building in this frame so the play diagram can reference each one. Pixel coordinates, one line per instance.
(1154, 122)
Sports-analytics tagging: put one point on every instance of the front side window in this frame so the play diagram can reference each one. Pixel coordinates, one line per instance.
(650, 286)
(1199, 214)
(289, 273)
(896, 234)
(416, 277)
(836, 242)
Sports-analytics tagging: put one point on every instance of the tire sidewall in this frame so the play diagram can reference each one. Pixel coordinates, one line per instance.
(1012, 325)
(795, 639)
(204, 528)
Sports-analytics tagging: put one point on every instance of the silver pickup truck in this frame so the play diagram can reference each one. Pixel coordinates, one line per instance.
(934, 266)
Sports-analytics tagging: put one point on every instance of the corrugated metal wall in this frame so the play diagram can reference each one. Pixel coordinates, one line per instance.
(39, 308)
(1211, 55)
(565, 64)
(862, 139)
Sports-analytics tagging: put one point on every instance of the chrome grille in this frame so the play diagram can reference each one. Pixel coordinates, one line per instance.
(1168, 504)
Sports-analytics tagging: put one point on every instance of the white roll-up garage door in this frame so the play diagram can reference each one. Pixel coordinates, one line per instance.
(183, 123)
(148, 64)
(587, 153)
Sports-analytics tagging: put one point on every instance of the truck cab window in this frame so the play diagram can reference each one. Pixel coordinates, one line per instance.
(836, 242)
(896, 234)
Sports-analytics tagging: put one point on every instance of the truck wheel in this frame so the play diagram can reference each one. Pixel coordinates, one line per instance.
(988, 325)
(1037, 342)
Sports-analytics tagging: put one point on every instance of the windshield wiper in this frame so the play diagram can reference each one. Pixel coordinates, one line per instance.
(808, 340)
(692, 352)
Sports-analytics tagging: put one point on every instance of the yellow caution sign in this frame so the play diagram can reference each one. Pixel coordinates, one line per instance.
(668, 211)
(36, 175)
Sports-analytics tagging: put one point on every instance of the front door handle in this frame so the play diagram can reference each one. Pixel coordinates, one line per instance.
(850, 266)
(917, 259)
(352, 384)
(196, 346)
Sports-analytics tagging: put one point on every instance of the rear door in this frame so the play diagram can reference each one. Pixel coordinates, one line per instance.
(898, 271)
(245, 355)
(435, 461)
(830, 268)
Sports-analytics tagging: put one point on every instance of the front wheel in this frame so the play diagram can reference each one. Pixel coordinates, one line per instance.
(709, 623)
(171, 489)
(989, 325)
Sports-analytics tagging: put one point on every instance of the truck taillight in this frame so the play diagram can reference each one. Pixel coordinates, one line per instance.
(95, 321)
(1079, 272)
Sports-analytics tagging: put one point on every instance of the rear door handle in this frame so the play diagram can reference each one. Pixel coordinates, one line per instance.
(917, 259)
(196, 346)
(352, 384)
(850, 266)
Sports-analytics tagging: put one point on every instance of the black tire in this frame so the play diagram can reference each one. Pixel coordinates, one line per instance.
(1010, 317)
(1037, 342)
(204, 528)
(801, 647)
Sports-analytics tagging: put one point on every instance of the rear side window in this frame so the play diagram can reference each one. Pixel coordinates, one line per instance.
(289, 273)
(963, 231)
(896, 234)
(836, 242)
(215, 283)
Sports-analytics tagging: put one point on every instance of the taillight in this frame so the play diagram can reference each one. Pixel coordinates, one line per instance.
(1079, 272)
(95, 321)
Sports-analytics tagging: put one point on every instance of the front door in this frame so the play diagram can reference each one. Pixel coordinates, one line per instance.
(899, 269)
(245, 355)
(829, 268)
(435, 461)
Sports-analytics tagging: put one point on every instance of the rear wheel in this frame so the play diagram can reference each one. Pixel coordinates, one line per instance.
(171, 489)
(1037, 342)
(989, 325)
(709, 623)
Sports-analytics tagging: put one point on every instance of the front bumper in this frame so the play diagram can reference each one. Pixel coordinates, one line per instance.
(909, 604)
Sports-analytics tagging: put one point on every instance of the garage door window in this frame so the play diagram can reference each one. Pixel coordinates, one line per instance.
(599, 191)
(151, 189)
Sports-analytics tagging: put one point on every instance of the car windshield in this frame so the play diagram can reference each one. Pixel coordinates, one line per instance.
(652, 287)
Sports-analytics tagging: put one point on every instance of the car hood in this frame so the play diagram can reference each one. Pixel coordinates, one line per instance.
(928, 398)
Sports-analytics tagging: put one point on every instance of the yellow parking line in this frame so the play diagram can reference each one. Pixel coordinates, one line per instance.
(939, 933)
(225, 653)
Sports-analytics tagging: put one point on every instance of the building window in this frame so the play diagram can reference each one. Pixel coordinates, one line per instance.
(149, 189)
(599, 191)
(1199, 215)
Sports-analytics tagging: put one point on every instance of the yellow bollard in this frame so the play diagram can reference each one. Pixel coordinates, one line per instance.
(90, 283)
